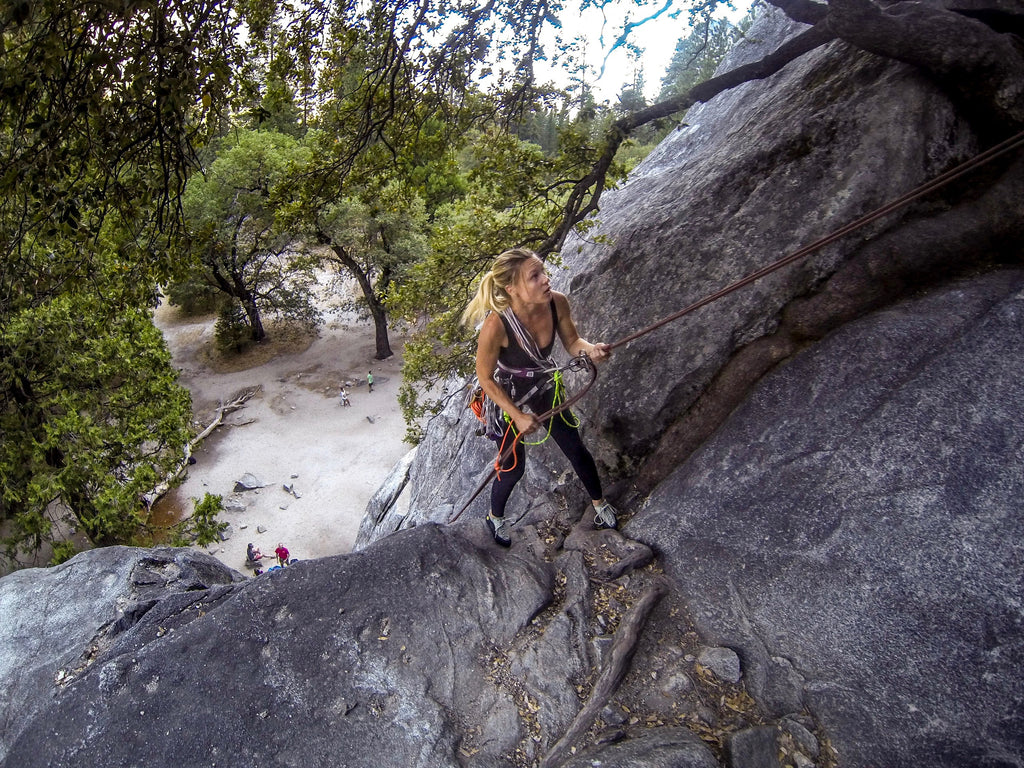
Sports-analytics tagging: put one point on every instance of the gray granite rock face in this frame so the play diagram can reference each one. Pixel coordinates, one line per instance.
(339, 656)
(751, 176)
(848, 525)
(431, 648)
(57, 620)
(854, 530)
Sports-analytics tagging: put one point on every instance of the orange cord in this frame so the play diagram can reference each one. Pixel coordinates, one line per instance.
(501, 451)
(559, 397)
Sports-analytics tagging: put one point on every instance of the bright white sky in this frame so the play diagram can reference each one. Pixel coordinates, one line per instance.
(657, 37)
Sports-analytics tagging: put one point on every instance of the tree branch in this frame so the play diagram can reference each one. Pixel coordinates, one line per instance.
(977, 65)
(804, 11)
(586, 194)
(237, 403)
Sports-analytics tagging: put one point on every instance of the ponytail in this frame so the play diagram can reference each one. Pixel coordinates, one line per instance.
(491, 295)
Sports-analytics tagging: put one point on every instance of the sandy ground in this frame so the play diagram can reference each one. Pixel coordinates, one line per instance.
(294, 433)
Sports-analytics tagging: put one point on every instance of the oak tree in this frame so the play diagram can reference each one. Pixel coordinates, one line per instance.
(101, 105)
(240, 246)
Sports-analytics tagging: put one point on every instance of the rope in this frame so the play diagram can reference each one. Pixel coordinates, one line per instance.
(559, 395)
(930, 186)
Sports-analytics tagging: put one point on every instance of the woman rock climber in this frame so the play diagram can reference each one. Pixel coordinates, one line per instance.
(521, 317)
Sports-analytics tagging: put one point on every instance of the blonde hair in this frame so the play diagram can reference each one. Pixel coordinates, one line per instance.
(491, 294)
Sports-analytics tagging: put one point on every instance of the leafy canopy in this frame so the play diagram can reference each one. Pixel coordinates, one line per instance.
(235, 234)
(103, 107)
(100, 106)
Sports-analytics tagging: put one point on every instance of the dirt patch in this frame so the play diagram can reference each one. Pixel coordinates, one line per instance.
(318, 463)
(282, 339)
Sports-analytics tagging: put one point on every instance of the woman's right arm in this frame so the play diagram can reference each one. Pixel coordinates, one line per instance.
(492, 337)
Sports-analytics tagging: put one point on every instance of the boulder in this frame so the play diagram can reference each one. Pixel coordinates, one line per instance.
(58, 620)
(433, 647)
(853, 531)
(248, 482)
(399, 645)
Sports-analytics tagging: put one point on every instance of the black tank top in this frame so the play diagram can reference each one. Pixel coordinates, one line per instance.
(514, 356)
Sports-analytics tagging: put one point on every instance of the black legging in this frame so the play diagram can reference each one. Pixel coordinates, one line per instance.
(565, 436)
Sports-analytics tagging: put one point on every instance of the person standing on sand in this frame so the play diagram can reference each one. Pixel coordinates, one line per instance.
(282, 555)
(344, 397)
(369, 380)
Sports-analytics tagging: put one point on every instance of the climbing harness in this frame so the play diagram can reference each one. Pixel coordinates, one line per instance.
(1010, 144)
(495, 422)
(579, 363)
(543, 372)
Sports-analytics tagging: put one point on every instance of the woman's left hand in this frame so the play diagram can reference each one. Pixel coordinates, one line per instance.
(599, 352)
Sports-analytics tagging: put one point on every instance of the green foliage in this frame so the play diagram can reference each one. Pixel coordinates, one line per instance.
(202, 527)
(375, 239)
(231, 332)
(98, 115)
(93, 418)
(631, 98)
(277, 111)
(62, 552)
(101, 105)
(542, 126)
(382, 232)
(236, 237)
(194, 297)
(364, 202)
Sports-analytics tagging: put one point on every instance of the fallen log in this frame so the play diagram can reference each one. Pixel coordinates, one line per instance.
(237, 403)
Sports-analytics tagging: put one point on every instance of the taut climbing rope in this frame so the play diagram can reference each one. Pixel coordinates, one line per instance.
(930, 186)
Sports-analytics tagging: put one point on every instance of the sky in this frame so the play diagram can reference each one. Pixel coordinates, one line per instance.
(658, 38)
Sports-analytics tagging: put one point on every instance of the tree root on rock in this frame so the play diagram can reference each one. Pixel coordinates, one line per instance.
(624, 646)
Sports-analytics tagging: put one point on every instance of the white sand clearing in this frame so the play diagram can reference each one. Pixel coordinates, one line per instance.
(293, 433)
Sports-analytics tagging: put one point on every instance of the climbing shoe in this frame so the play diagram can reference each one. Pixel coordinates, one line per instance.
(605, 516)
(498, 526)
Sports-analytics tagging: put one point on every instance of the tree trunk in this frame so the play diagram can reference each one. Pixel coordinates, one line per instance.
(380, 320)
(380, 323)
(235, 287)
(252, 312)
